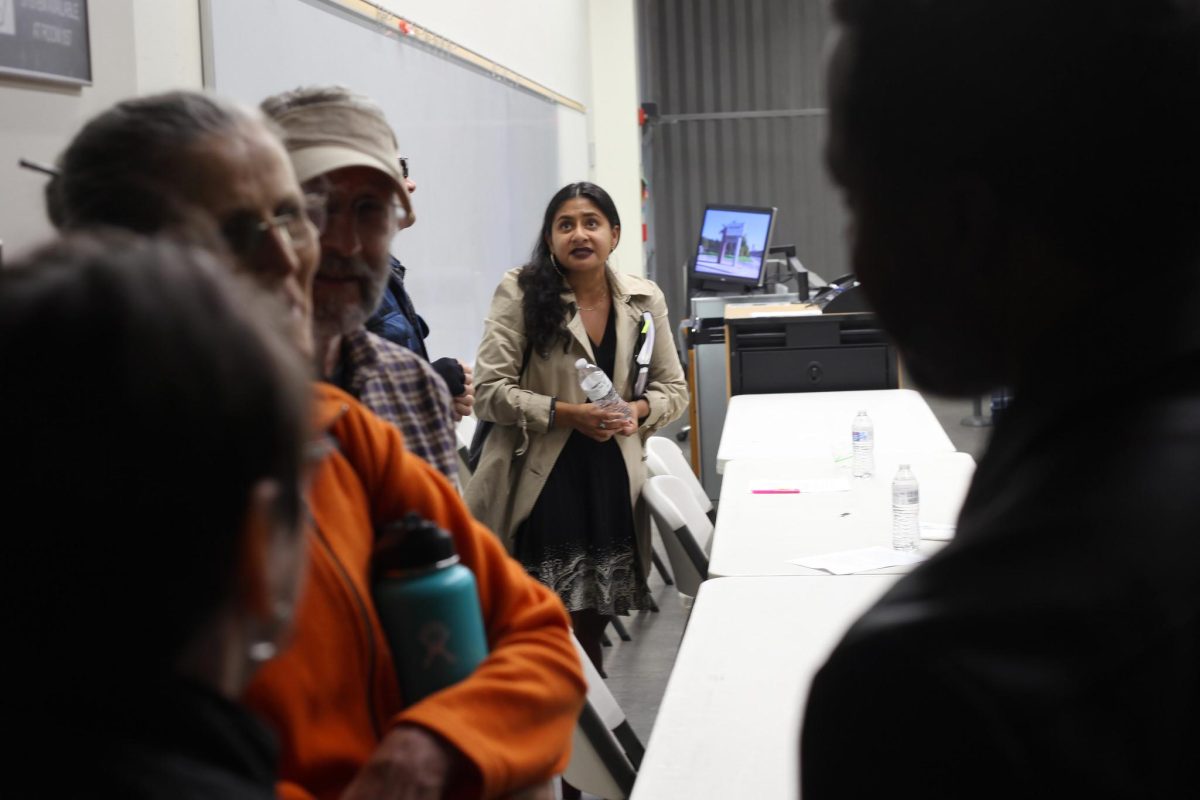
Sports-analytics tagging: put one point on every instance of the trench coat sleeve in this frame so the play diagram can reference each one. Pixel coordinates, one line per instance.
(498, 364)
(666, 389)
(514, 716)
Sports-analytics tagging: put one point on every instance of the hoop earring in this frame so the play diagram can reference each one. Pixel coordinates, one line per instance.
(557, 268)
(264, 647)
(262, 651)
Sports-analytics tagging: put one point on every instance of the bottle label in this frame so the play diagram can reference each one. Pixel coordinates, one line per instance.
(862, 437)
(906, 497)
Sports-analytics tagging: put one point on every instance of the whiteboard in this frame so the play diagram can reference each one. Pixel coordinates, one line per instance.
(484, 154)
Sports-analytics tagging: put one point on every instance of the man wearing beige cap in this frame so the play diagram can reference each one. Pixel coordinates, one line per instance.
(341, 146)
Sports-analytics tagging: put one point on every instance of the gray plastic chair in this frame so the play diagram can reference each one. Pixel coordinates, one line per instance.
(605, 751)
(664, 454)
(685, 529)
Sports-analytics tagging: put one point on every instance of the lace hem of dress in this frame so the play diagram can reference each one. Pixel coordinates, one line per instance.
(610, 584)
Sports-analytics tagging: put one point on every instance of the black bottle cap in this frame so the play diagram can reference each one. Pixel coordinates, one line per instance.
(411, 543)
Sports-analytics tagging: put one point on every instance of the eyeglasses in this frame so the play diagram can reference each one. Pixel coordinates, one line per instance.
(316, 209)
(244, 234)
(372, 216)
(404, 166)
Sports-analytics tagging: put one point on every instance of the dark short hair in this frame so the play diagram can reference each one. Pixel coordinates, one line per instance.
(122, 168)
(544, 310)
(146, 393)
(1083, 115)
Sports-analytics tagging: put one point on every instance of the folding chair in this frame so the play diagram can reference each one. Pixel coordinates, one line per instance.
(655, 465)
(667, 455)
(605, 751)
(686, 530)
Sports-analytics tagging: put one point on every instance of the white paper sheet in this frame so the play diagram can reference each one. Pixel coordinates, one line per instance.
(848, 562)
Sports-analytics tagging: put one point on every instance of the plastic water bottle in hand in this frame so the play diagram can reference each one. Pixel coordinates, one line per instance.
(862, 431)
(906, 496)
(599, 388)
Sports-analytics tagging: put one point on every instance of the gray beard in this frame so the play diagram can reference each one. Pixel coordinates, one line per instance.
(338, 322)
(333, 319)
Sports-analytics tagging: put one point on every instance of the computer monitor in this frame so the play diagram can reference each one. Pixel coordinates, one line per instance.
(733, 247)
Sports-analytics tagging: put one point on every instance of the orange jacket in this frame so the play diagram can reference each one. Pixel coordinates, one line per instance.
(332, 693)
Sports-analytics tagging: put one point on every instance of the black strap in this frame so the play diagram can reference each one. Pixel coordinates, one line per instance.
(485, 426)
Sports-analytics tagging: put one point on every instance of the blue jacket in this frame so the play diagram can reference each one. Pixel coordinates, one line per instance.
(397, 320)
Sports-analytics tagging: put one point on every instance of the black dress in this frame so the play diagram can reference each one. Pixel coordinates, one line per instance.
(579, 539)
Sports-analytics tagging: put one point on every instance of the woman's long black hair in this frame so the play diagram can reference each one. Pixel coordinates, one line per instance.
(541, 281)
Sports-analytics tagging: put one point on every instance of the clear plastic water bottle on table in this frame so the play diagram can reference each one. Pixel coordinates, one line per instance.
(906, 497)
(862, 432)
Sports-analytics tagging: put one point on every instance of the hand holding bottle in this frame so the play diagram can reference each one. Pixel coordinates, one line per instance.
(607, 414)
(595, 422)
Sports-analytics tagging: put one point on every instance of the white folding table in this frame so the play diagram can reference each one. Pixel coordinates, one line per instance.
(729, 722)
(817, 424)
(758, 534)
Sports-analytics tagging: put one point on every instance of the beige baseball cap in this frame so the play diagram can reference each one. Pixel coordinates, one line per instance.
(328, 128)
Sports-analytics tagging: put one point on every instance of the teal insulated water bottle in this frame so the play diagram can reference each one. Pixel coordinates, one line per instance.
(428, 605)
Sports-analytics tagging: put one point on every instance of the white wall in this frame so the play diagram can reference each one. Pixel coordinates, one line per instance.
(583, 49)
(613, 116)
(167, 44)
(544, 40)
(573, 138)
(37, 119)
(137, 46)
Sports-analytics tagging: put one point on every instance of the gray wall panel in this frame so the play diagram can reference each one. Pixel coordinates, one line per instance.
(731, 57)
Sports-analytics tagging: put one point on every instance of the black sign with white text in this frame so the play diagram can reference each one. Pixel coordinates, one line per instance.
(45, 39)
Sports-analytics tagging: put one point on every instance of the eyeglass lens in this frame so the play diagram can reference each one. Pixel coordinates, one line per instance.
(245, 234)
(316, 207)
(371, 215)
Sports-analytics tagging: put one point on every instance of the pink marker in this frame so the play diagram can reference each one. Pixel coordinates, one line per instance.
(774, 491)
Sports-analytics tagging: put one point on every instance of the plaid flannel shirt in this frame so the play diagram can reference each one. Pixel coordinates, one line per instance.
(401, 387)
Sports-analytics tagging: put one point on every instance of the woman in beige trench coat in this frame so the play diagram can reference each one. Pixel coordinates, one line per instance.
(560, 479)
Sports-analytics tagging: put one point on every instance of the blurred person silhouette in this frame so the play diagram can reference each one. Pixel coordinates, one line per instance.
(157, 424)
(1006, 165)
